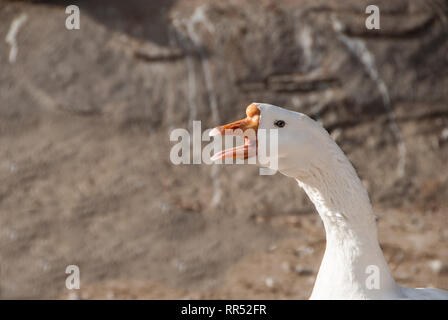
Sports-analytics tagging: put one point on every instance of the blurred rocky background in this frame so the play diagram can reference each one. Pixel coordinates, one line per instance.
(85, 118)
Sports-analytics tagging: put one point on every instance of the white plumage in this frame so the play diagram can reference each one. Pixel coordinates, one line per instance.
(307, 153)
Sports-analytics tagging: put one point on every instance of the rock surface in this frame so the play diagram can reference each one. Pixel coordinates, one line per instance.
(85, 118)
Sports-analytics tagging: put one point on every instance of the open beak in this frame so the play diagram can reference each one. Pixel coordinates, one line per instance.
(246, 128)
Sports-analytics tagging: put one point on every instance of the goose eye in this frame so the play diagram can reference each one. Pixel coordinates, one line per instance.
(279, 123)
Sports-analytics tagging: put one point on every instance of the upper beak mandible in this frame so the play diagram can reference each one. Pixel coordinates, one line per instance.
(239, 127)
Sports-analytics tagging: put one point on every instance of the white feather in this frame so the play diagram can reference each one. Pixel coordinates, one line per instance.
(307, 153)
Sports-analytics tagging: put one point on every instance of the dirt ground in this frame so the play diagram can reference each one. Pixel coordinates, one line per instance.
(128, 250)
(286, 269)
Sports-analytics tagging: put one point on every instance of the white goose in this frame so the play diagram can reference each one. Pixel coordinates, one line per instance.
(307, 153)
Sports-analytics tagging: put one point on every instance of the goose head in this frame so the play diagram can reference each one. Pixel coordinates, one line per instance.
(302, 143)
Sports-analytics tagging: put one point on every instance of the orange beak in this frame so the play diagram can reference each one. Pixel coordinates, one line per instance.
(246, 128)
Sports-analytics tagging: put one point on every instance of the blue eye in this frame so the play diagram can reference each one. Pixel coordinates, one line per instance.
(279, 123)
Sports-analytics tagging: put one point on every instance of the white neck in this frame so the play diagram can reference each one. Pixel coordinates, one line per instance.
(351, 232)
